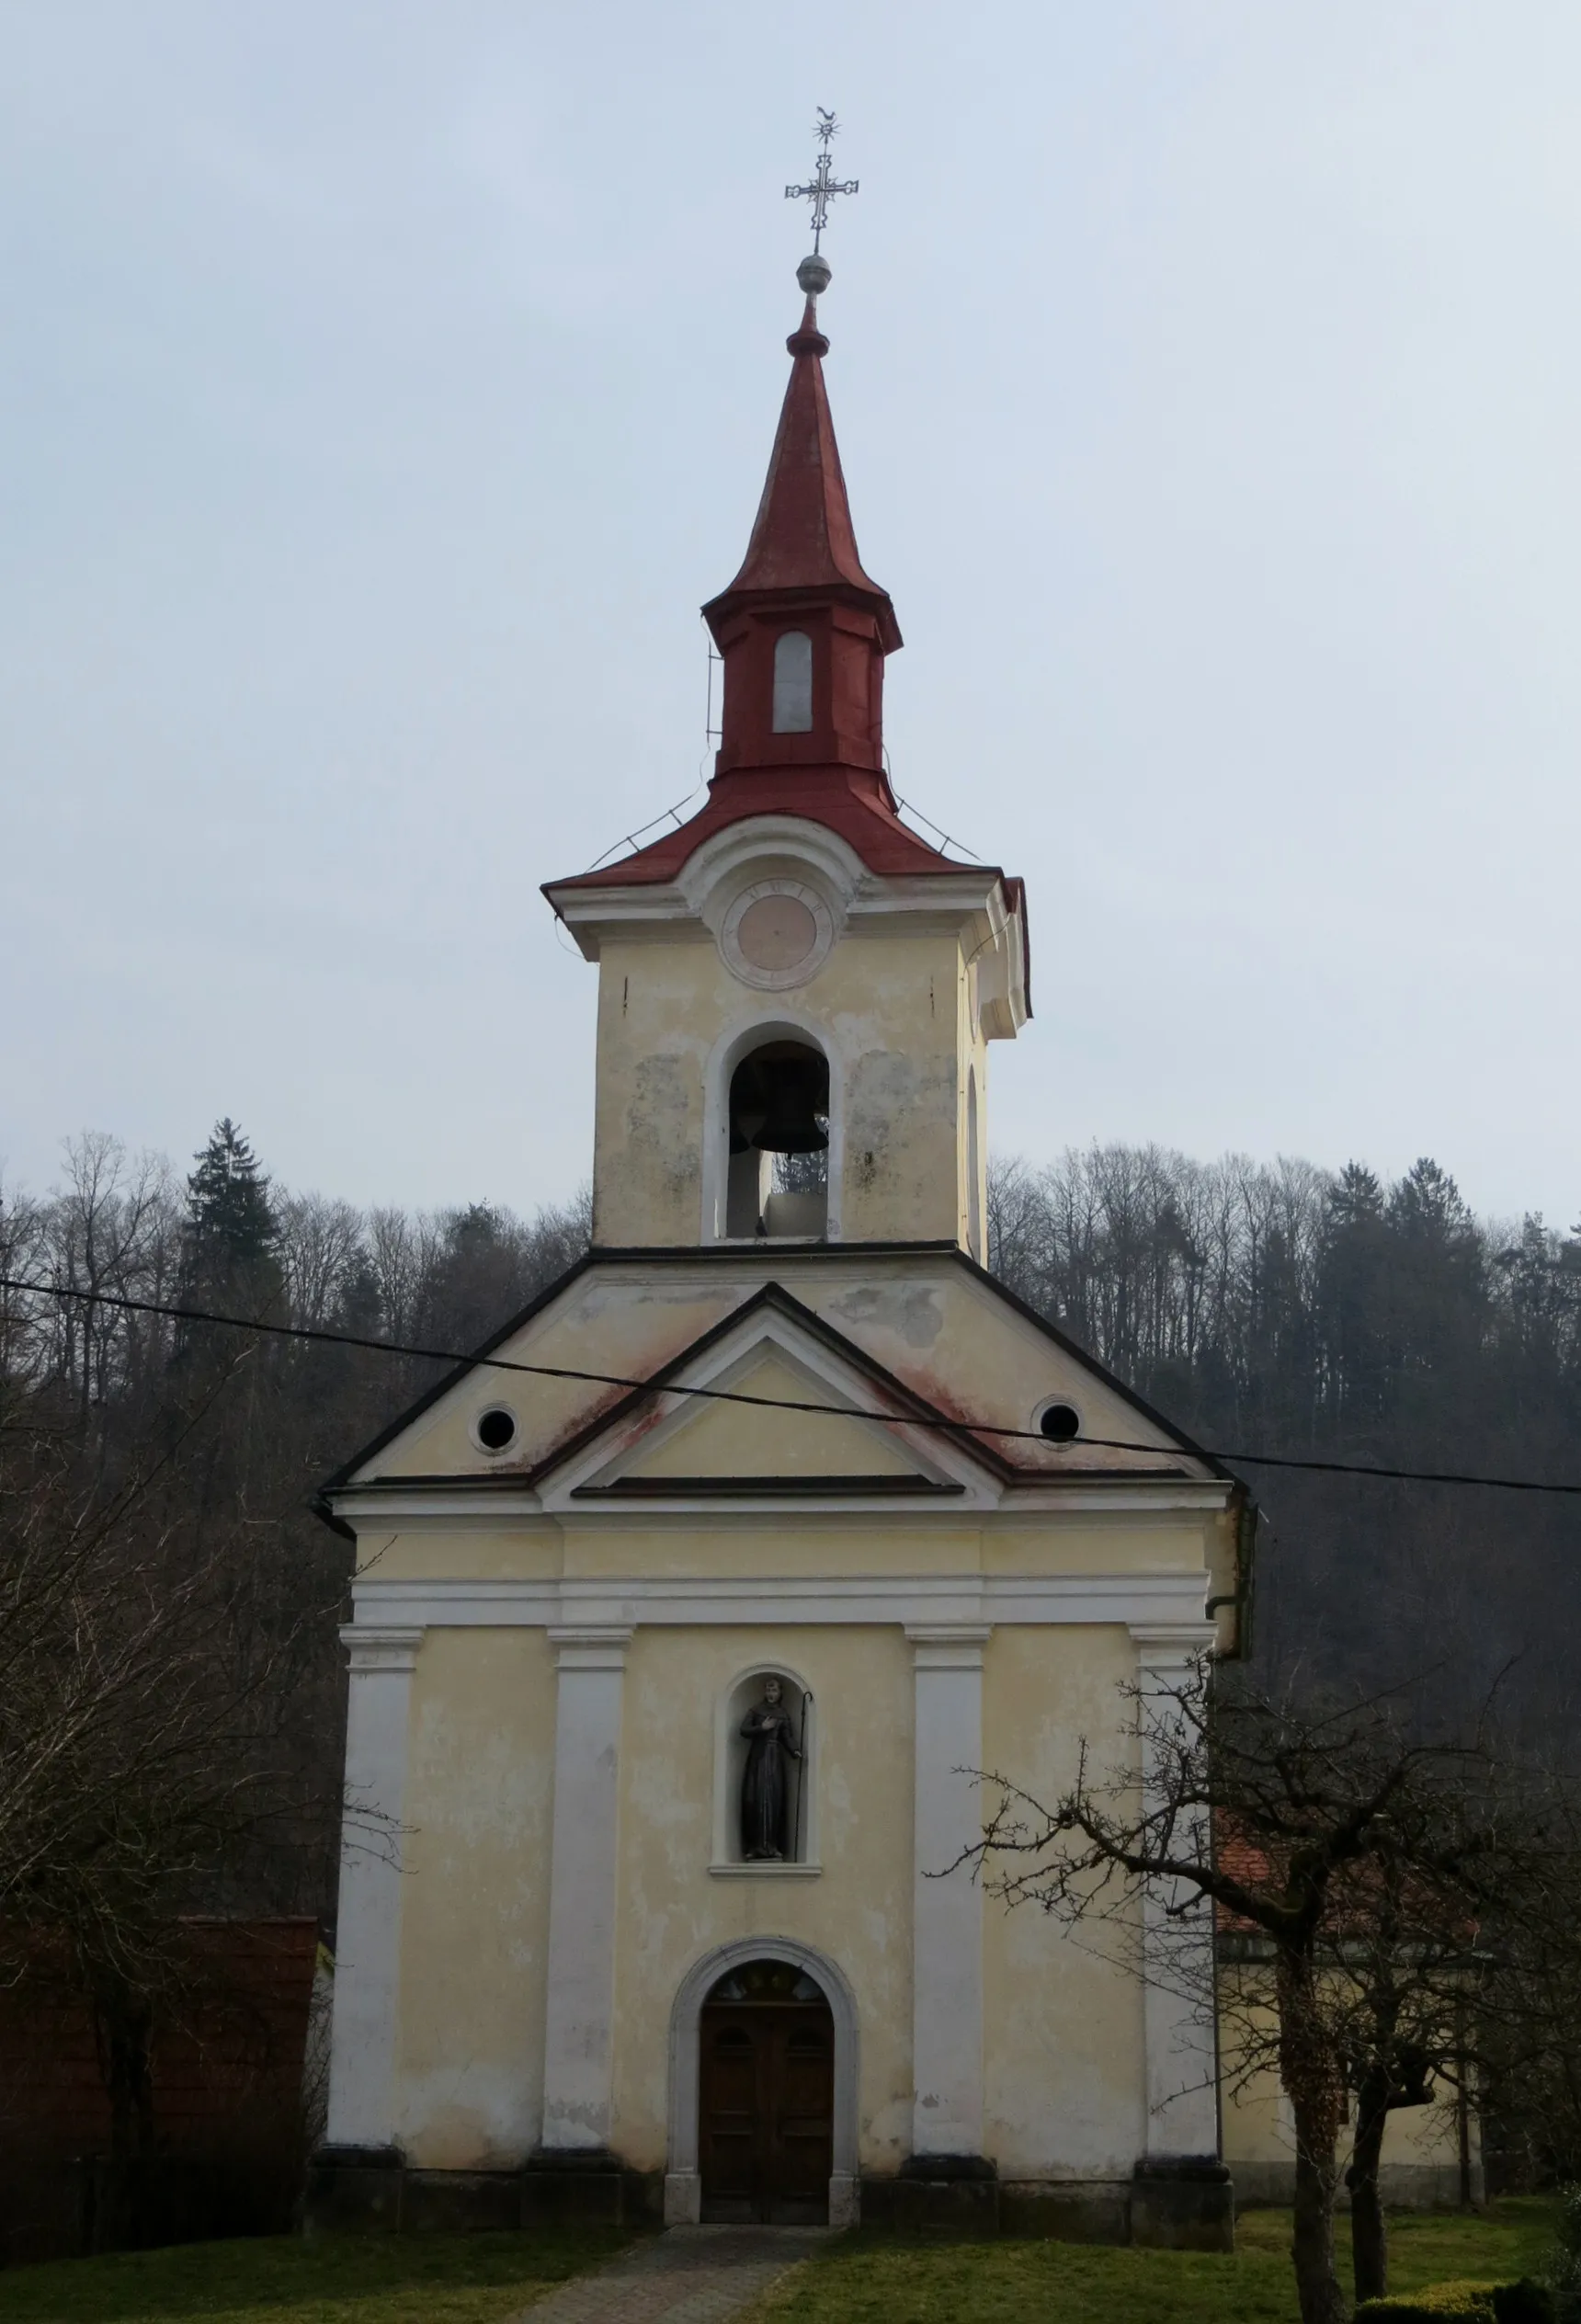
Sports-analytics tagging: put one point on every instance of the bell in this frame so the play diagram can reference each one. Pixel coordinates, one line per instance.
(779, 1101)
(798, 1093)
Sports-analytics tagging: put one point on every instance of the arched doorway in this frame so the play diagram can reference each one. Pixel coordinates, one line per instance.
(766, 2096)
(683, 2178)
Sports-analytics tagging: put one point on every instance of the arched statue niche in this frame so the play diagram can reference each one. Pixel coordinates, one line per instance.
(765, 1803)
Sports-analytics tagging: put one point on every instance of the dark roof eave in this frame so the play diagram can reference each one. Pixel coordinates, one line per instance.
(794, 597)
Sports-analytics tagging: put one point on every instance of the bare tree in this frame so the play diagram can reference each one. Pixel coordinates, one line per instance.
(107, 1226)
(171, 1686)
(323, 1248)
(25, 1323)
(142, 1755)
(1364, 1862)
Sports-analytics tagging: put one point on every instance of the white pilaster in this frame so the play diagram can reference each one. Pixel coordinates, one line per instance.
(368, 1931)
(947, 1914)
(1182, 2061)
(578, 2046)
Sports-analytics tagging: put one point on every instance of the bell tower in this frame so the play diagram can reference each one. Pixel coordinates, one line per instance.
(796, 990)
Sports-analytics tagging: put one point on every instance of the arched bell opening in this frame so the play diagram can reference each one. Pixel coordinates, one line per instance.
(766, 2096)
(779, 1130)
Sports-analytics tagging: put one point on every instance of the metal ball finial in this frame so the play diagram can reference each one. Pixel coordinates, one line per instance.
(813, 274)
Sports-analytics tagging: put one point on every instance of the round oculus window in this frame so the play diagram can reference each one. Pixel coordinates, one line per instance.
(777, 933)
(496, 1429)
(1060, 1423)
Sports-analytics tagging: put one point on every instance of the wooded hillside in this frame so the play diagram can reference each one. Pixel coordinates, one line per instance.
(1286, 1310)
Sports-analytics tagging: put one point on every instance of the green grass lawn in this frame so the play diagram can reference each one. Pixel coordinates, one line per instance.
(426, 2279)
(866, 2280)
(860, 2280)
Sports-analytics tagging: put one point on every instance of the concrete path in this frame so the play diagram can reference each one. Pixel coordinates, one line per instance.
(688, 2275)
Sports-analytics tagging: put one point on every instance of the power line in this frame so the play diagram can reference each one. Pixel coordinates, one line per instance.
(955, 1429)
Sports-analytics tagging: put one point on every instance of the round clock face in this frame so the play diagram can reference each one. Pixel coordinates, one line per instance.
(776, 934)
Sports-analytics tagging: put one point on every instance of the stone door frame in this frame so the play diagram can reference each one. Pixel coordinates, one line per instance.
(683, 2176)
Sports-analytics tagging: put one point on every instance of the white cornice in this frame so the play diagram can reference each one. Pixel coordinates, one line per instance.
(1148, 1602)
(452, 1507)
(377, 1647)
(1171, 1648)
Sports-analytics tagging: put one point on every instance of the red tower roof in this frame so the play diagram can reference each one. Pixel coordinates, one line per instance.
(803, 538)
(802, 574)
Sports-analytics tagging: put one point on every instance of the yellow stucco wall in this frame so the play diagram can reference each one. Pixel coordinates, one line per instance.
(1062, 2029)
(857, 1910)
(713, 1545)
(596, 1326)
(475, 1899)
(890, 1006)
(475, 1904)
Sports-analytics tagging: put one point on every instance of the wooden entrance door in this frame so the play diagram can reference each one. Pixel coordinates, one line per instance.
(766, 2119)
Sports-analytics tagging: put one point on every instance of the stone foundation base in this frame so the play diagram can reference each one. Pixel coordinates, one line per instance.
(460, 2202)
(1067, 2210)
(1179, 2206)
(939, 2194)
(1184, 2205)
(354, 2190)
(376, 2191)
(585, 2191)
(1404, 2186)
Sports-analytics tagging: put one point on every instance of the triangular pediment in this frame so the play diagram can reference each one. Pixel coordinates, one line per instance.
(772, 1406)
(665, 1377)
(719, 1438)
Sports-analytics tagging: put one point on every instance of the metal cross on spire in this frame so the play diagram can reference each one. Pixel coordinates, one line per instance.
(823, 186)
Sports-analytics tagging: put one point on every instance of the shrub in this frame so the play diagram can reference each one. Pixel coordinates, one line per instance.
(1564, 2272)
(1522, 2303)
(1435, 2300)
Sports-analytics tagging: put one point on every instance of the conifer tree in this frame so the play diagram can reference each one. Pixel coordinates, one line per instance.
(231, 1231)
(228, 1197)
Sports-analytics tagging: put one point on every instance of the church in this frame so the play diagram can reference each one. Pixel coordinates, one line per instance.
(685, 1613)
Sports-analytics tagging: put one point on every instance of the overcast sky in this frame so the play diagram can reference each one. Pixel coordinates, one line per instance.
(385, 386)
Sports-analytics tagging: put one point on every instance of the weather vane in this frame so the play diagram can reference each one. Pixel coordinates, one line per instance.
(823, 186)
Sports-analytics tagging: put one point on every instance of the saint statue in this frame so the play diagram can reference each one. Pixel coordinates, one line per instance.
(766, 1728)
